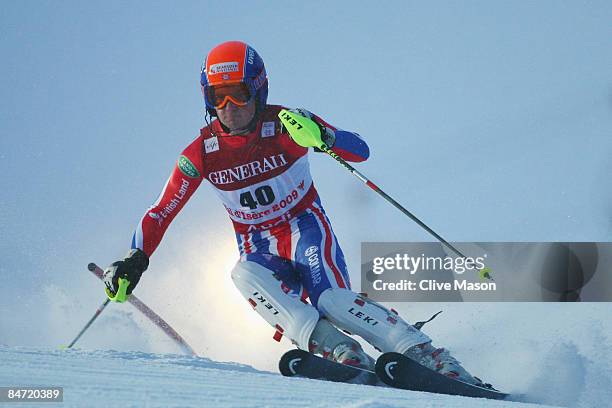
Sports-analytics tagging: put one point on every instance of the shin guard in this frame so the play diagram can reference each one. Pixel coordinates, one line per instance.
(377, 325)
(287, 314)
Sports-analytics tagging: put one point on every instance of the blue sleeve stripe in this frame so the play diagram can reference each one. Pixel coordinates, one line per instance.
(352, 143)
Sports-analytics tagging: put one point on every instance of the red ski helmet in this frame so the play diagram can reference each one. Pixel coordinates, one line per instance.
(234, 62)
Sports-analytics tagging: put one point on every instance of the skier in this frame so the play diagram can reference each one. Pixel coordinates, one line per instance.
(291, 268)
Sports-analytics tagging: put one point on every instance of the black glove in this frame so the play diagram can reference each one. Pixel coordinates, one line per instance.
(130, 269)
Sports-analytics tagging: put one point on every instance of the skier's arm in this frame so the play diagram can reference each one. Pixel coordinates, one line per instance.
(121, 277)
(348, 145)
(184, 180)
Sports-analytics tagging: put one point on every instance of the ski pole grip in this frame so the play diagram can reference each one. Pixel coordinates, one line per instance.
(304, 131)
(121, 295)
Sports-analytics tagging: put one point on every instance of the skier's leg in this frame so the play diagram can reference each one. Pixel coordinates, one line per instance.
(386, 331)
(279, 302)
(382, 328)
(321, 265)
(320, 260)
(375, 323)
(260, 280)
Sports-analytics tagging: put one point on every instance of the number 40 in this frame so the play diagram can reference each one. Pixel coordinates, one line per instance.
(263, 196)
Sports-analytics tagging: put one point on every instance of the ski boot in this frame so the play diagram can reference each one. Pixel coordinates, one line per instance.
(440, 360)
(329, 342)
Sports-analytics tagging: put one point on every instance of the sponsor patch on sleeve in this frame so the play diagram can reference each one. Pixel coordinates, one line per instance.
(187, 167)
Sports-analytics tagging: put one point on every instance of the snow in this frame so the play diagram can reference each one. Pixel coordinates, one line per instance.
(555, 354)
(138, 379)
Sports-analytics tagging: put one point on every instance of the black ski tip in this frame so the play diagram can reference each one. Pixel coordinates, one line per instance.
(301, 363)
(399, 371)
(290, 361)
(386, 366)
(91, 266)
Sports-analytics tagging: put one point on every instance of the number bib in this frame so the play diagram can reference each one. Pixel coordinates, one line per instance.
(268, 199)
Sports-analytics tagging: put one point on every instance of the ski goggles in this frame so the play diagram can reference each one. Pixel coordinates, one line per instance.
(220, 95)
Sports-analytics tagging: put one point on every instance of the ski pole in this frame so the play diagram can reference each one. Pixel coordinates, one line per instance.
(94, 317)
(306, 133)
(390, 199)
(150, 314)
(484, 273)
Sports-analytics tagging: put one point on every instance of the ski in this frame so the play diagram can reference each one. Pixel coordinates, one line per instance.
(399, 371)
(300, 363)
